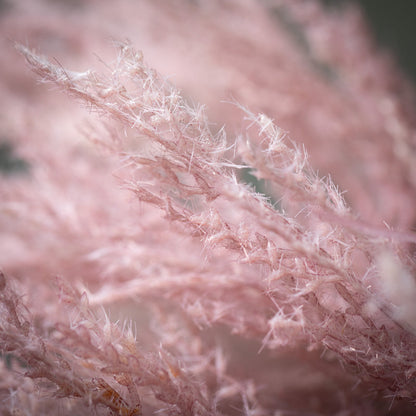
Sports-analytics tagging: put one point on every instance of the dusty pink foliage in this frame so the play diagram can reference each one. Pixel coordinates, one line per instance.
(143, 275)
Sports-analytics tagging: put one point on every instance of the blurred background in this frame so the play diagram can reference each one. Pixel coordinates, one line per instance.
(393, 23)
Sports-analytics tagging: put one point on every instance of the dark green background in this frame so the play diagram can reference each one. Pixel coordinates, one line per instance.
(394, 24)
